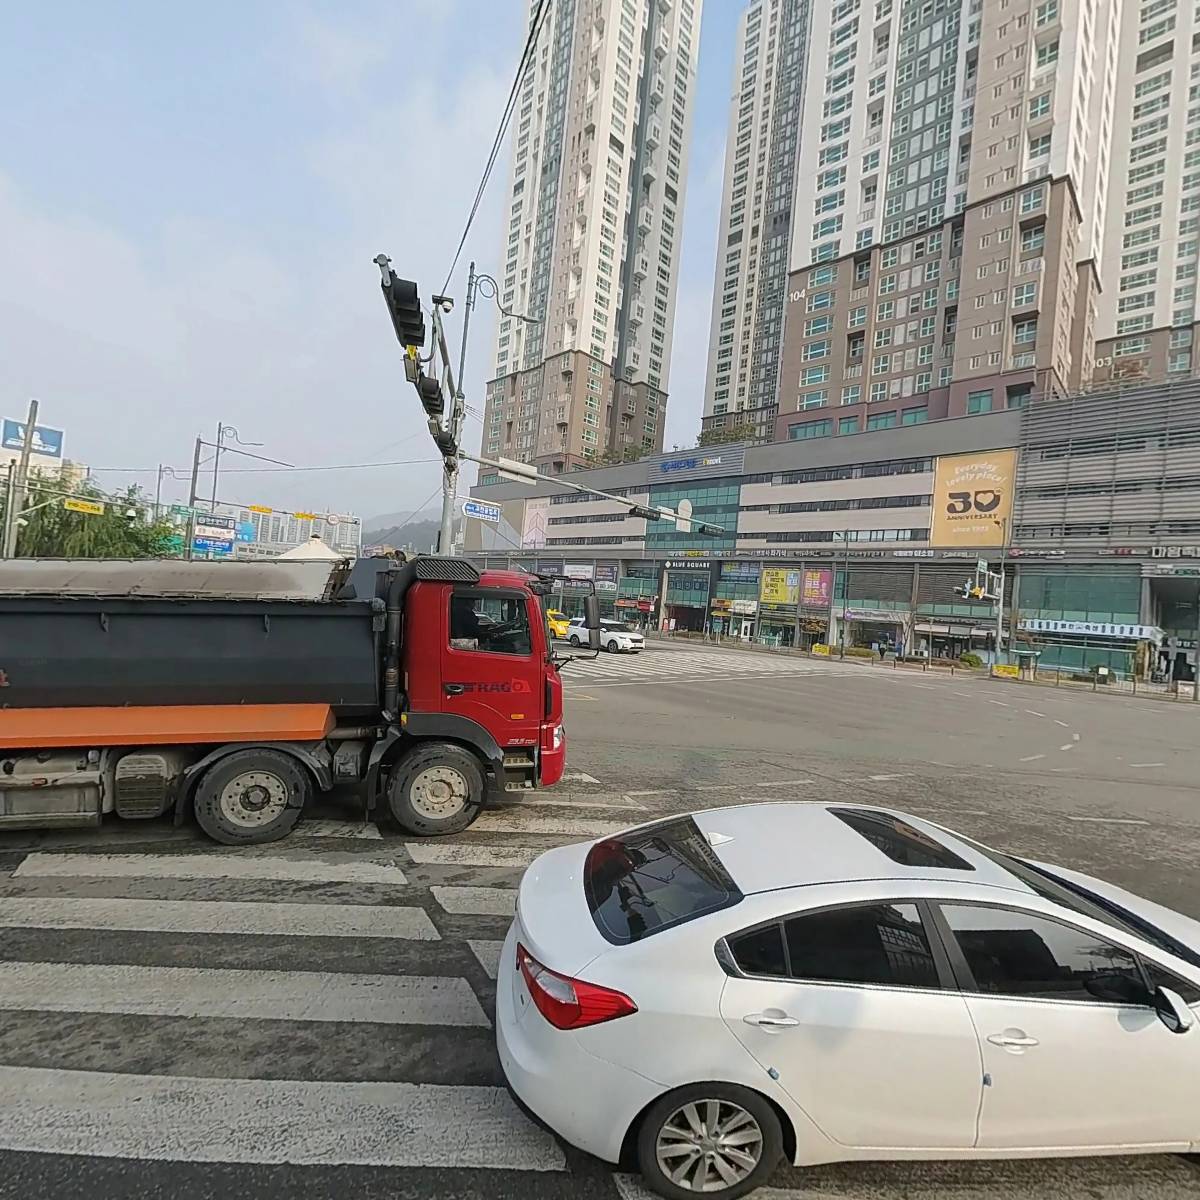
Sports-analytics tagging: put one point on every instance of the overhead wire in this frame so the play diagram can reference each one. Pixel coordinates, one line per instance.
(535, 26)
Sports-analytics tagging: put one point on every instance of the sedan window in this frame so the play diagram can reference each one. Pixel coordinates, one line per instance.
(760, 952)
(1161, 977)
(871, 943)
(1018, 954)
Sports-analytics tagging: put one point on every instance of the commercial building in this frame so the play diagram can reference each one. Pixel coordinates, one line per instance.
(1004, 203)
(594, 222)
(261, 532)
(1090, 503)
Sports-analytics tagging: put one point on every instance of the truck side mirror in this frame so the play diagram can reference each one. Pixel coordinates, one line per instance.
(591, 618)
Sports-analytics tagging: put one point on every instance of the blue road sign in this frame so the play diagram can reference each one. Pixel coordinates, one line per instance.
(481, 511)
(210, 545)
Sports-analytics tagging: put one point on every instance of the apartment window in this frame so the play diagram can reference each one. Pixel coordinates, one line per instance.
(858, 316)
(1025, 331)
(1129, 346)
(1039, 106)
(852, 393)
(1024, 293)
(813, 350)
(1045, 13)
(1039, 145)
(817, 325)
(814, 399)
(1179, 362)
(813, 375)
(881, 421)
(1033, 199)
(1033, 238)
(885, 310)
(914, 416)
(1047, 53)
(979, 402)
(848, 425)
(804, 430)
(887, 284)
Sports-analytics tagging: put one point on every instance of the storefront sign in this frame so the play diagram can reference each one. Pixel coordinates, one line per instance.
(744, 608)
(1144, 633)
(719, 604)
(817, 589)
(579, 570)
(1006, 671)
(606, 572)
(779, 586)
(1018, 552)
(972, 498)
(881, 615)
(688, 564)
(1175, 551)
(912, 553)
(742, 572)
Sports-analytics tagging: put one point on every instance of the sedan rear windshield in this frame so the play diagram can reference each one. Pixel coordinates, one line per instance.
(653, 878)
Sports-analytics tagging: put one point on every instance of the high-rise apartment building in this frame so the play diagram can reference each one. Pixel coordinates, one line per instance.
(760, 193)
(993, 198)
(593, 228)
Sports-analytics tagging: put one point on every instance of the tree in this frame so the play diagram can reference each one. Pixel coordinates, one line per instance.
(49, 530)
(733, 433)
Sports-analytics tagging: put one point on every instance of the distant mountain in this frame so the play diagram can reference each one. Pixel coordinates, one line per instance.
(391, 530)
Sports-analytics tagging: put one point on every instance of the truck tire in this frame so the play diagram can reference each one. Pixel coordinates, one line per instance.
(251, 796)
(436, 788)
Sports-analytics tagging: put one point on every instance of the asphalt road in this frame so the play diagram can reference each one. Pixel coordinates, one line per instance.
(314, 1018)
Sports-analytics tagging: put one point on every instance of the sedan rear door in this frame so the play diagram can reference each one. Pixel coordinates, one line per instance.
(855, 1009)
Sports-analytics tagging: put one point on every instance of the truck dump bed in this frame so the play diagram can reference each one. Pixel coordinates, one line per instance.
(168, 632)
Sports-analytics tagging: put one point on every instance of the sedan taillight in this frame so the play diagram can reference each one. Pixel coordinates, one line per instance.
(570, 1003)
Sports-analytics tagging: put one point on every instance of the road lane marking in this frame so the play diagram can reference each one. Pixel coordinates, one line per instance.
(595, 800)
(492, 822)
(336, 829)
(1074, 737)
(1032, 757)
(580, 776)
(1064, 724)
(472, 854)
(1108, 820)
(1034, 713)
(650, 792)
(219, 916)
(784, 783)
(965, 695)
(1068, 746)
(1147, 764)
(488, 954)
(246, 995)
(1001, 703)
(715, 787)
(477, 901)
(181, 1119)
(233, 865)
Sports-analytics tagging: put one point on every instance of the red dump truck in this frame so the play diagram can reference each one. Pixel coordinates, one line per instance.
(237, 692)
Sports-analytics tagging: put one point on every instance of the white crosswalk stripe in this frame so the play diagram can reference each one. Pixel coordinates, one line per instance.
(268, 995)
(268, 1121)
(234, 865)
(680, 665)
(483, 901)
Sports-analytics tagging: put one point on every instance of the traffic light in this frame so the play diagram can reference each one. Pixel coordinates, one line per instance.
(446, 443)
(430, 391)
(403, 305)
(709, 530)
(650, 514)
(972, 589)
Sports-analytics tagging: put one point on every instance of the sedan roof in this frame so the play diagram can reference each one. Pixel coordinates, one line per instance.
(790, 843)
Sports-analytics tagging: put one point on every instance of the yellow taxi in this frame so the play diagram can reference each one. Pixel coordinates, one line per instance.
(558, 622)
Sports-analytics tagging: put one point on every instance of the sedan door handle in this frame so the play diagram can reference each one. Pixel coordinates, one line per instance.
(454, 689)
(1012, 1039)
(771, 1020)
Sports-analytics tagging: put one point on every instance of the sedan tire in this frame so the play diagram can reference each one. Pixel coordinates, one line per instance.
(613, 646)
(575, 640)
(713, 1139)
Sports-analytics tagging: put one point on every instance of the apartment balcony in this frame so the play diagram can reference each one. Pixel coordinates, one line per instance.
(641, 267)
(645, 219)
(662, 44)
(873, 138)
(637, 314)
(653, 134)
(649, 170)
(658, 88)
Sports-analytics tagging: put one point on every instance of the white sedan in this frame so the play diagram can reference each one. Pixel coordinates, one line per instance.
(709, 994)
(615, 636)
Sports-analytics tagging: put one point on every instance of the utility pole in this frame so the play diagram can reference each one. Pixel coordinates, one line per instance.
(216, 465)
(1000, 595)
(452, 429)
(845, 596)
(19, 480)
(191, 520)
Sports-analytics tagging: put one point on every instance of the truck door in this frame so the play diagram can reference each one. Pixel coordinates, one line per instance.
(490, 673)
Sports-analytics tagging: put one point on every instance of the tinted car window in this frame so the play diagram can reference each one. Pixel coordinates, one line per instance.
(1161, 977)
(899, 841)
(870, 943)
(653, 878)
(760, 952)
(1019, 954)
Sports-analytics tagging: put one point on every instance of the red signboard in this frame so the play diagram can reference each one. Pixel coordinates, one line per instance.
(817, 588)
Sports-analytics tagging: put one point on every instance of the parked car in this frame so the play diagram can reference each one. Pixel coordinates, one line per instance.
(707, 994)
(558, 622)
(615, 636)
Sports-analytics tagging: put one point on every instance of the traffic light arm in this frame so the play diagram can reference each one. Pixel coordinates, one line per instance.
(525, 473)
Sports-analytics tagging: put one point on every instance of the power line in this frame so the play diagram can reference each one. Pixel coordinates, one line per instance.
(535, 25)
(404, 462)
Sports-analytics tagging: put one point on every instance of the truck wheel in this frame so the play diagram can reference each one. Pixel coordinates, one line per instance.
(251, 796)
(436, 788)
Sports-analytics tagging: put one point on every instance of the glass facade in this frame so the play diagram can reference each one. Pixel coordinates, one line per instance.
(1107, 598)
(714, 501)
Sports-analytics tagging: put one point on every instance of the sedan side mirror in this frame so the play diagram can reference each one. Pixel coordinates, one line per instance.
(591, 618)
(1172, 1011)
